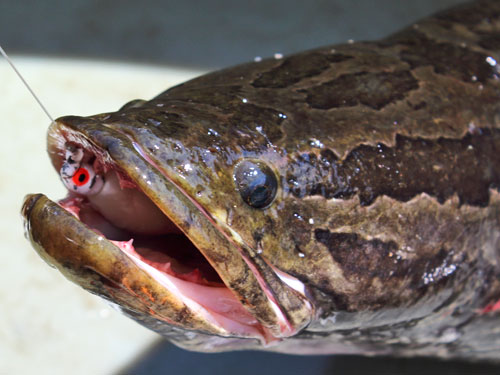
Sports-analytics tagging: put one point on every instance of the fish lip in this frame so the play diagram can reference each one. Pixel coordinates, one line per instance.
(103, 136)
(29, 202)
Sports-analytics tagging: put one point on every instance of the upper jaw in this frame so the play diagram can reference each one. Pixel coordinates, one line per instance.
(280, 310)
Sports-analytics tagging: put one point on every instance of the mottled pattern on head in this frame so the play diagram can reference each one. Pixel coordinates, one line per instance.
(386, 159)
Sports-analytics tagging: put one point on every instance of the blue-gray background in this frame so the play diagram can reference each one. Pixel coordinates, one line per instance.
(195, 33)
(209, 35)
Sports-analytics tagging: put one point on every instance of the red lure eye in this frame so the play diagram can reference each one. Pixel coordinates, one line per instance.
(81, 177)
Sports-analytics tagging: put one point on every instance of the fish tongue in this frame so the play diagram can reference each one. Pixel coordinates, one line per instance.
(162, 261)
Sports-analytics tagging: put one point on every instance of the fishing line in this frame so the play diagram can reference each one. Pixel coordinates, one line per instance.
(25, 83)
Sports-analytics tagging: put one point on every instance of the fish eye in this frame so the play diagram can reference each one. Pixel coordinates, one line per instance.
(256, 183)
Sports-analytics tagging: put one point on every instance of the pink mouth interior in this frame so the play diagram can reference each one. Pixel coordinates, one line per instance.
(173, 261)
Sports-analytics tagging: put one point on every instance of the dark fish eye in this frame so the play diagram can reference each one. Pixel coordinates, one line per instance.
(256, 183)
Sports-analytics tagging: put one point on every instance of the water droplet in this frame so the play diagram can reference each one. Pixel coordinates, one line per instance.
(154, 122)
(490, 60)
(160, 104)
(278, 56)
(311, 221)
(448, 335)
(244, 100)
(212, 132)
(438, 273)
(473, 129)
(473, 78)
(282, 115)
(301, 255)
(257, 59)
(298, 216)
(313, 142)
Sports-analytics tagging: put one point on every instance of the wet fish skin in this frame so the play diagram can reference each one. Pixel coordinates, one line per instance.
(388, 209)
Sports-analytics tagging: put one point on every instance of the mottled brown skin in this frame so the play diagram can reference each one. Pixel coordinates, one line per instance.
(387, 156)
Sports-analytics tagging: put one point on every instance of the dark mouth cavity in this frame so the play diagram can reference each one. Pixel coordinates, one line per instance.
(158, 250)
(171, 252)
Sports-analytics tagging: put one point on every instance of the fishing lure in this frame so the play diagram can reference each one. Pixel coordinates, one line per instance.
(78, 176)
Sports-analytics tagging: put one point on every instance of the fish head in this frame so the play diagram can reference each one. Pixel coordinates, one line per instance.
(174, 232)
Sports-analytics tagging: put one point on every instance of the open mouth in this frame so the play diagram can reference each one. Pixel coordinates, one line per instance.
(130, 233)
(122, 213)
(170, 252)
(174, 262)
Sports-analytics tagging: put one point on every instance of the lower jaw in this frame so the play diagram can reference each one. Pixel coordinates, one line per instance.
(194, 282)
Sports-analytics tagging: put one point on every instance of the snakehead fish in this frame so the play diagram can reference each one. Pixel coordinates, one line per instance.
(341, 200)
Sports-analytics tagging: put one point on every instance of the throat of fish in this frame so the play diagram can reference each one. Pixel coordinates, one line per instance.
(107, 201)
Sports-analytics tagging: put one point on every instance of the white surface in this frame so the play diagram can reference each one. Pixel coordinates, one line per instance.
(47, 324)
